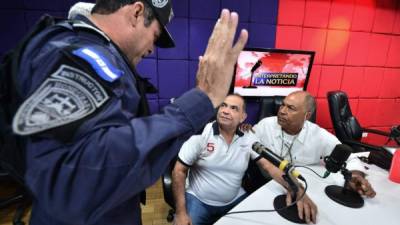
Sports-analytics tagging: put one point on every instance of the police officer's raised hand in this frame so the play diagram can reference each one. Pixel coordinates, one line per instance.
(216, 66)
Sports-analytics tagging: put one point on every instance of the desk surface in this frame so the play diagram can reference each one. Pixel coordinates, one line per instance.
(384, 208)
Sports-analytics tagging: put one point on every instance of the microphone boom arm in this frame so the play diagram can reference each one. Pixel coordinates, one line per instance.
(292, 186)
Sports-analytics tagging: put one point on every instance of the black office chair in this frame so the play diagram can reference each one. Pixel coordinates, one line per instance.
(347, 128)
(20, 196)
(167, 190)
(11, 177)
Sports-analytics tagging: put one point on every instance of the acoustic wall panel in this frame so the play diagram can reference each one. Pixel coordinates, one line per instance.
(288, 37)
(357, 52)
(390, 84)
(317, 14)
(265, 12)
(378, 49)
(173, 77)
(341, 14)
(363, 16)
(181, 8)
(239, 6)
(16, 4)
(372, 82)
(179, 29)
(314, 40)
(294, 12)
(204, 9)
(367, 112)
(352, 81)
(147, 68)
(313, 82)
(199, 32)
(13, 27)
(393, 57)
(331, 78)
(336, 47)
(323, 116)
(384, 16)
(262, 35)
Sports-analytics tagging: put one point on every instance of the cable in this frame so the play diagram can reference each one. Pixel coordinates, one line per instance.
(310, 170)
(273, 210)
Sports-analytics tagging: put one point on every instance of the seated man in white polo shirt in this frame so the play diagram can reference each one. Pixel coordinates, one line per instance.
(301, 142)
(218, 159)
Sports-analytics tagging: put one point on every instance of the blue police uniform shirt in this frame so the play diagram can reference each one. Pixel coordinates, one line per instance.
(111, 155)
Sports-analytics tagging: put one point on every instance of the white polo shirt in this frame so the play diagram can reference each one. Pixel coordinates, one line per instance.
(216, 168)
(309, 147)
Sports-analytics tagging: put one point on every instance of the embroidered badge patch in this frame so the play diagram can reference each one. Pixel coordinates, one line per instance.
(66, 96)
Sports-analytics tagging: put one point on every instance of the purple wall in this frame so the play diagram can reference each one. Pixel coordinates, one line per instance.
(173, 71)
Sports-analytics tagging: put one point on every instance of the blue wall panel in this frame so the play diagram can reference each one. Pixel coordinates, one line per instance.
(179, 29)
(204, 9)
(173, 71)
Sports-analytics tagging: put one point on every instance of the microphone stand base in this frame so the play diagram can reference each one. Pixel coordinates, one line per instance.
(344, 197)
(291, 213)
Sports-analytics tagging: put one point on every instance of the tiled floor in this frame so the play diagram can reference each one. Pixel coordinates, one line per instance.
(154, 213)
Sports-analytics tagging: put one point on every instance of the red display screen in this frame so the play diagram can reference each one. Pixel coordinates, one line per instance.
(270, 72)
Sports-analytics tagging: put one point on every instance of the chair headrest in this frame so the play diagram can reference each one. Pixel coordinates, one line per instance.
(345, 124)
(339, 99)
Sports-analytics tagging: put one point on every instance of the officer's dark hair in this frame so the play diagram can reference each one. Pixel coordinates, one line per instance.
(110, 6)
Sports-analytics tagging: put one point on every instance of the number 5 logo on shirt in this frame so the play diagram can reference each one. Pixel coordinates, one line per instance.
(210, 147)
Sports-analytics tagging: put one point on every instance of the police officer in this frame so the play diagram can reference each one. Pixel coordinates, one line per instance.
(89, 154)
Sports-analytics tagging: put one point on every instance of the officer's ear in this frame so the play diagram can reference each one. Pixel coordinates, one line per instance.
(135, 11)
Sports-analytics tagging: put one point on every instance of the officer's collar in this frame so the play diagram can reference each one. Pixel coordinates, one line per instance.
(83, 22)
(216, 130)
(89, 22)
(86, 20)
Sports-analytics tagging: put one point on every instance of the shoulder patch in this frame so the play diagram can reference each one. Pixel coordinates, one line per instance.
(103, 67)
(66, 96)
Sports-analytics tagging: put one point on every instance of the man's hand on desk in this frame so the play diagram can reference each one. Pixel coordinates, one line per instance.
(306, 207)
(182, 219)
(361, 185)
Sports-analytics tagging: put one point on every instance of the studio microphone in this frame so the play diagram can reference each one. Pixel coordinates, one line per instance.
(337, 160)
(342, 195)
(276, 160)
(256, 65)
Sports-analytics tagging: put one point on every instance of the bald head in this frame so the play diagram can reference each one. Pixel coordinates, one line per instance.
(296, 108)
(307, 99)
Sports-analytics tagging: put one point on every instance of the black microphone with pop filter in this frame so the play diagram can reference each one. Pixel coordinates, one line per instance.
(337, 159)
(333, 163)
